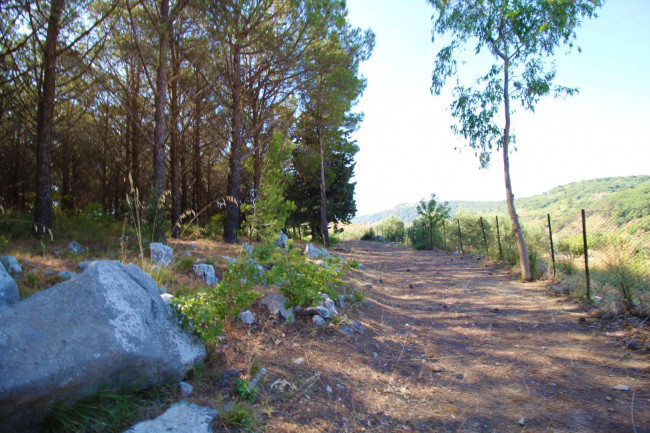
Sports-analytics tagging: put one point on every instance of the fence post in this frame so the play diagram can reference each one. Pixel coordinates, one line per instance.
(586, 251)
(487, 251)
(444, 236)
(498, 237)
(550, 236)
(460, 237)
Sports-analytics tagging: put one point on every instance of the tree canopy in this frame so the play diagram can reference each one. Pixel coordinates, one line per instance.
(520, 36)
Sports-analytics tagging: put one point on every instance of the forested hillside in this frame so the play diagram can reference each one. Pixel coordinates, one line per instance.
(627, 198)
(177, 105)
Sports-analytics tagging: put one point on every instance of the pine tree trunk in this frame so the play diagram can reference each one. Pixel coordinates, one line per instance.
(174, 145)
(197, 182)
(234, 176)
(323, 195)
(158, 183)
(44, 124)
(524, 262)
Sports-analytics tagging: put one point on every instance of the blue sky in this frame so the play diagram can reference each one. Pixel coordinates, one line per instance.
(407, 148)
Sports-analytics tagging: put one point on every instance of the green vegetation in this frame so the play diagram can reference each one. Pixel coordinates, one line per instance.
(300, 280)
(108, 411)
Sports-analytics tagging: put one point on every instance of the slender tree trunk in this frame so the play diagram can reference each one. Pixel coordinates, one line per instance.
(524, 262)
(174, 145)
(44, 124)
(323, 195)
(184, 186)
(158, 181)
(234, 175)
(197, 195)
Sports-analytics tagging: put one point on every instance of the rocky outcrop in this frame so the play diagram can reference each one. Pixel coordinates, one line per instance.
(106, 329)
(183, 417)
(9, 294)
(161, 254)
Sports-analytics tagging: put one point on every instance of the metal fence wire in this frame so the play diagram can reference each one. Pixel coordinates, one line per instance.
(589, 253)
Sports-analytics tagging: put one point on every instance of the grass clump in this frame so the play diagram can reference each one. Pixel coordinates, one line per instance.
(241, 416)
(107, 411)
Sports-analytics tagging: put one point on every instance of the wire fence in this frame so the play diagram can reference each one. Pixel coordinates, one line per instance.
(588, 253)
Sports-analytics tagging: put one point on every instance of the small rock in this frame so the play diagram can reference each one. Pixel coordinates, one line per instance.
(206, 273)
(181, 417)
(369, 286)
(186, 389)
(76, 248)
(318, 320)
(323, 312)
(247, 249)
(166, 297)
(314, 253)
(608, 398)
(610, 409)
(247, 317)
(65, 275)
(521, 421)
(161, 254)
(11, 265)
(281, 241)
(329, 389)
(84, 264)
(298, 361)
(9, 294)
(621, 388)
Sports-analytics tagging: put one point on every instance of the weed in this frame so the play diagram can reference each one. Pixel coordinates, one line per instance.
(243, 390)
(185, 264)
(240, 415)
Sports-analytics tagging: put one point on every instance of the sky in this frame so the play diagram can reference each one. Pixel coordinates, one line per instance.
(407, 149)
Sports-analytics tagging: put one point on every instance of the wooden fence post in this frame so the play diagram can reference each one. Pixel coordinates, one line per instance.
(586, 251)
(550, 236)
(487, 251)
(498, 237)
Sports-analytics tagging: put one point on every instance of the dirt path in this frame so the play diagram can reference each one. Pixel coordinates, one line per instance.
(451, 344)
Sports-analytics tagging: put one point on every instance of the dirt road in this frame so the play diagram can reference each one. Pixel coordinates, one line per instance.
(451, 344)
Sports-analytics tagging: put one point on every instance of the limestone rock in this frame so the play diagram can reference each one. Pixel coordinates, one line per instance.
(281, 241)
(84, 264)
(9, 294)
(76, 248)
(183, 417)
(247, 249)
(161, 254)
(314, 253)
(206, 273)
(247, 317)
(276, 304)
(65, 275)
(104, 329)
(11, 265)
(318, 321)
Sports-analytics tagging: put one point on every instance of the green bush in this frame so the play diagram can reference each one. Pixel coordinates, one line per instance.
(392, 229)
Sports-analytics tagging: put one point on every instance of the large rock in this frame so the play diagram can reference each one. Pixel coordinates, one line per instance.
(106, 329)
(314, 253)
(11, 265)
(161, 254)
(9, 294)
(183, 417)
(206, 273)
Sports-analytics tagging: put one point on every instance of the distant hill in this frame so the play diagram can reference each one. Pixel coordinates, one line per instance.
(627, 198)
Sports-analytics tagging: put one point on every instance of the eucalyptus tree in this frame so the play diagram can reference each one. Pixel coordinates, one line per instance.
(520, 36)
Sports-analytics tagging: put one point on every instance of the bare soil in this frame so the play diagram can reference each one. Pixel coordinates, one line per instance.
(451, 344)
